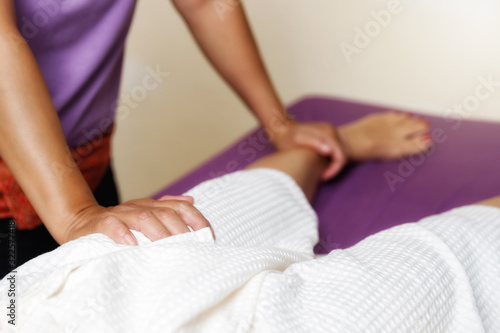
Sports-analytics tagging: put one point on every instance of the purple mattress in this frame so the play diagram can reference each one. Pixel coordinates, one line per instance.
(462, 168)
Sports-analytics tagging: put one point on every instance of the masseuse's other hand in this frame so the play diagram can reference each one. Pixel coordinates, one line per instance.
(156, 219)
(320, 137)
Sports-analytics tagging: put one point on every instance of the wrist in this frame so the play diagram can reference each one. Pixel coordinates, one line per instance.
(67, 209)
(278, 124)
(75, 220)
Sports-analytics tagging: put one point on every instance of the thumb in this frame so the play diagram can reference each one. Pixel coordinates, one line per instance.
(316, 144)
(338, 160)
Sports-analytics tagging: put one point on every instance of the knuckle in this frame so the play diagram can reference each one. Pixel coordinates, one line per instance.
(183, 206)
(148, 201)
(139, 202)
(162, 233)
(113, 227)
(120, 208)
(166, 214)
(109, 221)
(145, 215)
(129, 203)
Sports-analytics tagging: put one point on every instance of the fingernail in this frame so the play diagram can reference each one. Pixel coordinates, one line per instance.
(129, 240)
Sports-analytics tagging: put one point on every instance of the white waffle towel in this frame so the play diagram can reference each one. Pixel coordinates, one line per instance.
(260, 275)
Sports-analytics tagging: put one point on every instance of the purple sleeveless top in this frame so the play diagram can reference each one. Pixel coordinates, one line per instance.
(79, 46)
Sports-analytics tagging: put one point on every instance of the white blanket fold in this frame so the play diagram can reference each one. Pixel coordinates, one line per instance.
(260, 274)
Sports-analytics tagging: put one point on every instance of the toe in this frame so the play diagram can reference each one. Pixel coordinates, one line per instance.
(394, 116)
(414, 126)
(408, 147)
(417, 144)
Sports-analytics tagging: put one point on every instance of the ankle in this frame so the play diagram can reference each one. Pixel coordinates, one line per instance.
(355, 144)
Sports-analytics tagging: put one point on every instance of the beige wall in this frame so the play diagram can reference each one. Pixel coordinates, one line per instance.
(427, 58)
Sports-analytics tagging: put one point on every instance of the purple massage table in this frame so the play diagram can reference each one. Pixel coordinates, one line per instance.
(462, 168)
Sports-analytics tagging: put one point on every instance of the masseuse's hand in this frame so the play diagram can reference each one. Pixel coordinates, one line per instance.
(156, 219)
(320, 137)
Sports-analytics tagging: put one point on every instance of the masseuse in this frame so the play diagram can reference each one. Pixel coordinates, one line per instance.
(60, 68)
(60, 71)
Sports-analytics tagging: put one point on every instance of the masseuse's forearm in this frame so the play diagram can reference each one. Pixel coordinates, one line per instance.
(227, 41)
(32, 143)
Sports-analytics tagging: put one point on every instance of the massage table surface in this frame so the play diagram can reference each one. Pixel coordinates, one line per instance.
(462, 168)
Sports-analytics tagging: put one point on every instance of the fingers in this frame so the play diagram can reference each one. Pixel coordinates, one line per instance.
(332, 170)
(188, 198)
(183, 206)
(326, 143)
(161, 222)
(115, 229)
(338, 160)
(190, 214)
(321, 138)
(156, 219)
(152, 227)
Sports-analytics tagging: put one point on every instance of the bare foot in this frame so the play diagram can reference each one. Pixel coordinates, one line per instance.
(385, 136)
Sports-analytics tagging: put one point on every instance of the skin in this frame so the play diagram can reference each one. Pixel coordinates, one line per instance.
(34, 148)
(229, 45)
(385, 136)
(306, 167)
(303, 165)
(378, 136)
(494, 202)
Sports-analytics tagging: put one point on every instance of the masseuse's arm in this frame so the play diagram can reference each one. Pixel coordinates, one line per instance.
(33, 146)
(223, 33)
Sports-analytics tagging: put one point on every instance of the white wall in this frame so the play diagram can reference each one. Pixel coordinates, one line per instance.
(427, 59)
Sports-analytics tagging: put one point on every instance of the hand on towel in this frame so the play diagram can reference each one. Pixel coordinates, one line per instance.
(156, 219)
(320, 137)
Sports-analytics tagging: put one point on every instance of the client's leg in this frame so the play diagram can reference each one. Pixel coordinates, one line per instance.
(381, 136)
(306, 167)
(303, 165)
(495, 202)
(385, 136)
